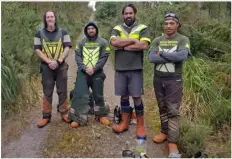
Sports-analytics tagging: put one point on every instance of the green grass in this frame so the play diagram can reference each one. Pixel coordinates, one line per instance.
(19, 63)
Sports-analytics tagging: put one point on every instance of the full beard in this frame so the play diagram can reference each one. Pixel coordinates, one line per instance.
(129, 22)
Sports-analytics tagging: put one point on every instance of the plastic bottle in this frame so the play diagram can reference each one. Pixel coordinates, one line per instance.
(140, 147)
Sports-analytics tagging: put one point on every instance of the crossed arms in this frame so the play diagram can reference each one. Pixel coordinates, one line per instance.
(129, 44)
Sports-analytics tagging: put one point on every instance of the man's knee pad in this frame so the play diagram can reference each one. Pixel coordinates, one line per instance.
(125, 105)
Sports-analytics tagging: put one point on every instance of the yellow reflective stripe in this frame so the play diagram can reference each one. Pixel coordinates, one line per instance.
(117, 28)
(136, 30)
(134, 36)
(145, 39)
(77, 47)
(87, 54)
(107, 48)
(141, 27)
(95, 55)
(47, 50)
(113, 36)
(187, 46)
(123, 33)
(58, 49)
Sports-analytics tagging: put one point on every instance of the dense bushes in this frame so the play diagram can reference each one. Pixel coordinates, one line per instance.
(17, 42)
(19, 23)
(207, 75)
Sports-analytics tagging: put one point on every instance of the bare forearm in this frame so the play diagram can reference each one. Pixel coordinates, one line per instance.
(42, 56)
(138, 46)
(120, 43)
(65, 53)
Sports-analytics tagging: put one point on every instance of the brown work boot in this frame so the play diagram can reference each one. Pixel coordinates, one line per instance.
(65, 118)
(104, 121)
(123, 126)
(140, 129)
(43, 122)
(74, 124)
(160, 138)
(133, 116)
(173, 149)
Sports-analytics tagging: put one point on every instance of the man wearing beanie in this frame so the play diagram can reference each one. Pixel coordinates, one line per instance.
(91, 55)
(168, 53)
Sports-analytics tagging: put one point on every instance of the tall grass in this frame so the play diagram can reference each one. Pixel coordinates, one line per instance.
(205, 109)
(20, 65)
(208, 99)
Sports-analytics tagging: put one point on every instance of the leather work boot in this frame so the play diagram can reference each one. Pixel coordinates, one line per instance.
(160, 138)
(123, 126)
(65, 118)
(133, 116)
(104, 121)
(74, 124)
(140, 129)
(43, 122)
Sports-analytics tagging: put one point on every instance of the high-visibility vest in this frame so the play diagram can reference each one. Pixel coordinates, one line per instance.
(91, 51)
(52, 49)
(134, 34)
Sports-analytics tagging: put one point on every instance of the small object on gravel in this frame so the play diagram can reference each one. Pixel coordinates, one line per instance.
(98, 135)
(133, 121)
(111, 116)
(200, 155)
(73, 140)
(127, 153)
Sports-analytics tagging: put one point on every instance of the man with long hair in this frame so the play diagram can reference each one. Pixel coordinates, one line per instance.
(52, 45)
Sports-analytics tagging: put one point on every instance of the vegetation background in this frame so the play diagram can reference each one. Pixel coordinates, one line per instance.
(206, 106)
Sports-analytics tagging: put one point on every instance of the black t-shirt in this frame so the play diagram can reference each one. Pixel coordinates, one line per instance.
(51, 35)
(130, 60)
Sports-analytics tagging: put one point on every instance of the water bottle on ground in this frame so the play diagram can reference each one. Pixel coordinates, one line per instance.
(140, 147)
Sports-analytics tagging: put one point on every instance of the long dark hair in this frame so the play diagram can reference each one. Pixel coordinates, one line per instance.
(45, 23)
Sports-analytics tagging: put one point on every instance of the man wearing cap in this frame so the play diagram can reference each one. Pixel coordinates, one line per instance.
(168, 53)
(91, 55)
(130, 40)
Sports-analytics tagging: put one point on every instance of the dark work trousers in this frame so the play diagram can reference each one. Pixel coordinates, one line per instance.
(49, 79)
(168, 91)
(80, 101)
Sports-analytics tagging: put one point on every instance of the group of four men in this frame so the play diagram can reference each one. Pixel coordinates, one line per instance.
(129, 39)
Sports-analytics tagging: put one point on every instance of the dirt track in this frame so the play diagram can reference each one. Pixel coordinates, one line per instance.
(58, 139)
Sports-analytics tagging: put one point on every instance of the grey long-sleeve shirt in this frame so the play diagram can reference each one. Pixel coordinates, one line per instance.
(172, 53)
(166, 57)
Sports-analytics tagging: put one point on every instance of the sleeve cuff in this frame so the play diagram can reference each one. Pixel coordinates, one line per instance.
(95, 69)
(113, 36)
(67, 44)
(145, 39)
